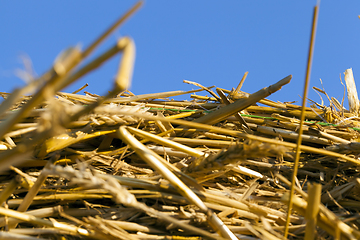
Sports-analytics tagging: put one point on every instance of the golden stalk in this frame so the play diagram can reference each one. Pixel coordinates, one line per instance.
(302, 117)
(312, 210)
(149, 157)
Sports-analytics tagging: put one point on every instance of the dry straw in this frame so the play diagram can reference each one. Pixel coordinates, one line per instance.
(126, 166)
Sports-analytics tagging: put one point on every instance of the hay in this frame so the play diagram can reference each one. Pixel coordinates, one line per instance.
(127, 166)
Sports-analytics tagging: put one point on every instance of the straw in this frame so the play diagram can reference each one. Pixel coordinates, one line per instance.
(218, 166)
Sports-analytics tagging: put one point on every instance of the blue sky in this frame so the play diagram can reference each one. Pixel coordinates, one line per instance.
(209, 42)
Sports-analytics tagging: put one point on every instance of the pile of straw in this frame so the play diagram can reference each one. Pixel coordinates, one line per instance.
(127, 166)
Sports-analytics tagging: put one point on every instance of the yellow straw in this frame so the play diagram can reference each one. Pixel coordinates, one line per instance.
(302, 117)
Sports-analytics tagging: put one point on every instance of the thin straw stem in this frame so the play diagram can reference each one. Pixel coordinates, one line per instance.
(302, 117)
(241, 82)
(96, 43)
(32, 193)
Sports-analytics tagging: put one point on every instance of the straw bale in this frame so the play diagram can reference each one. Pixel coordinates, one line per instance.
(127, 166)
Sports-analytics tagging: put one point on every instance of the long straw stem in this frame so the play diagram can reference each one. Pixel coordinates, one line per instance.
(302, 117)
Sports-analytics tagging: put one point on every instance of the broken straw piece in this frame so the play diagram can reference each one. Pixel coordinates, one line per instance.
(351, 91)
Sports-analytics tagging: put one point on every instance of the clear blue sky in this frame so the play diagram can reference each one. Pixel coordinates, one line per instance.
(209, 42)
